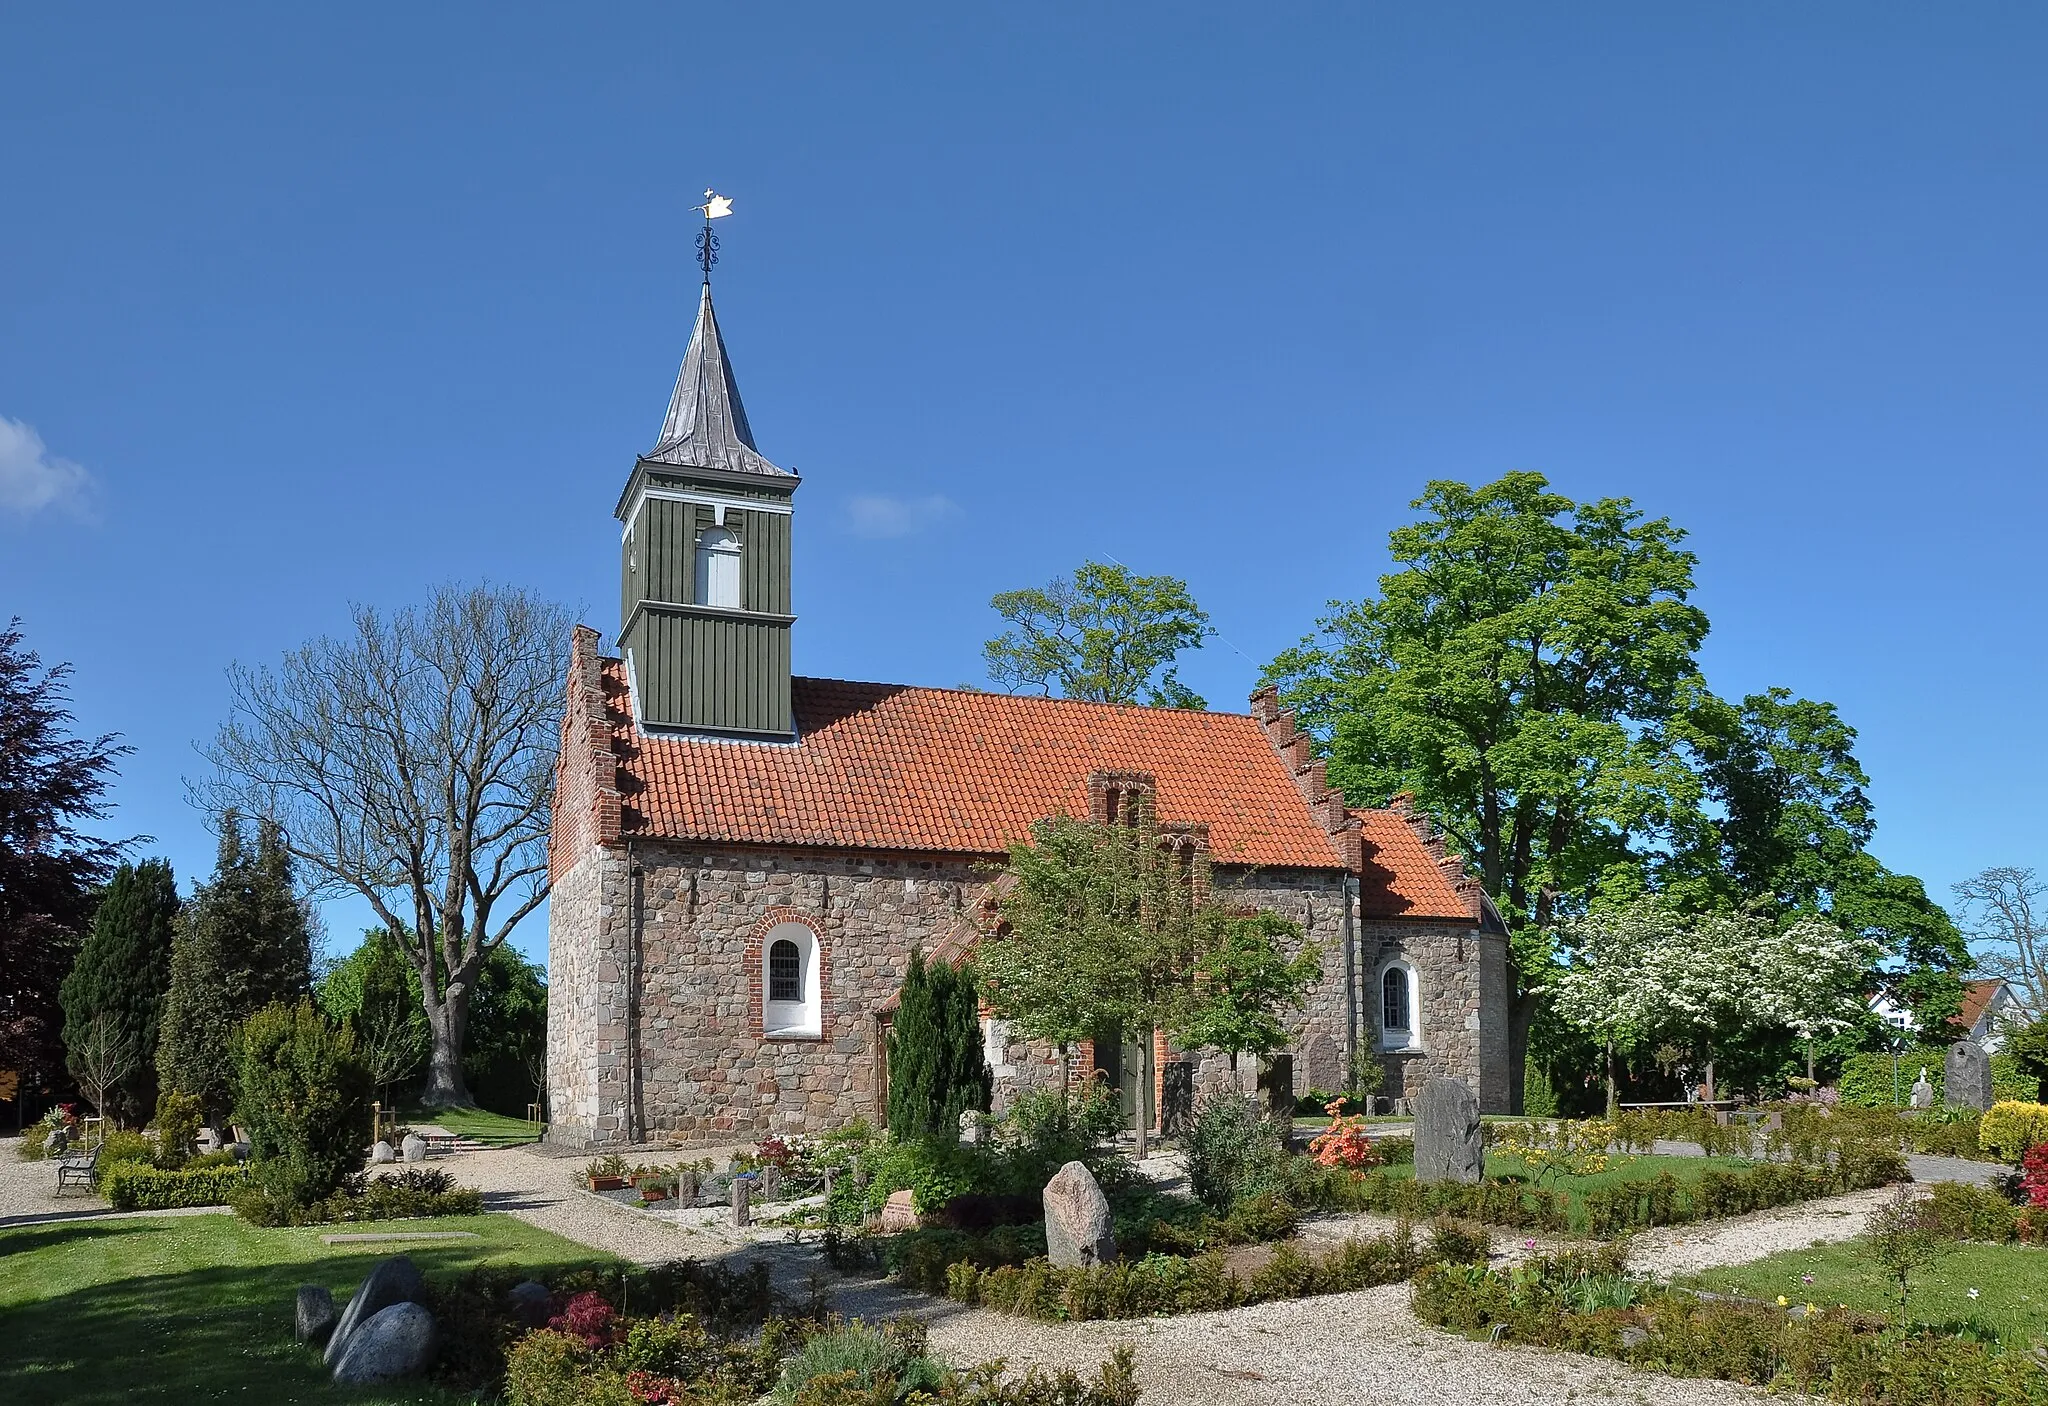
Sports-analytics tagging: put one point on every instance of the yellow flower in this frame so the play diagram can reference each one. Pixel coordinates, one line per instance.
(1783, 1301)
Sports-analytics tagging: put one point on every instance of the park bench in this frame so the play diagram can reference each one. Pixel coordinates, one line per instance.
(77, 1169)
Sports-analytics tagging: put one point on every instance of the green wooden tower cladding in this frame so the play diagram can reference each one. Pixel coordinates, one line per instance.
(704, 561)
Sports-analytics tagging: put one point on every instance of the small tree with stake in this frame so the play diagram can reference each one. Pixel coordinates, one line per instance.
(1906, 1236)
(102, 1058)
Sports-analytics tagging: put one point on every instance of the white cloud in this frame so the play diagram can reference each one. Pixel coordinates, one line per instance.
(874, 515)
(31, 478)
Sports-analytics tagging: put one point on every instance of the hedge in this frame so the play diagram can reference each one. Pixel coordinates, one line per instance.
(136, 1186)
(1583, 1304)
(1866, 1079)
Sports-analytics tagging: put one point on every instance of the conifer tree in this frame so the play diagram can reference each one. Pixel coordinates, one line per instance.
(241, 944)
(122, 975)
(936, 1067)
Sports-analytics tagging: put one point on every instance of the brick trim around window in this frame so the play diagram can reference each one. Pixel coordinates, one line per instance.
(756, 1009)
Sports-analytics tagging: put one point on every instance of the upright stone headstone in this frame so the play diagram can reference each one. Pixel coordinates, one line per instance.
(1447, 1142)
(899, 1212)
(1077, 1222)
(313, 1315)
(1967, 1082)
(1276, 1087)
(771, 1184)
(1176, 1098)
(742, 1202)
(687, 1186)
(1922, 1095)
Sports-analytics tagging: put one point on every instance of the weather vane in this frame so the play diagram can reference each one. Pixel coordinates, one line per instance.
(715, 207)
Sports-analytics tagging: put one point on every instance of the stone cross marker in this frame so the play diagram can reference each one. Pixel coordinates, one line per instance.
(1967, 1083)
(1923, 1092)
(1447, 1145)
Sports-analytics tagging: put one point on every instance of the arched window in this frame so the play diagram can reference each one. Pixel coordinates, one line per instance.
(790, 982)
(1399, 1000)
(718, 568)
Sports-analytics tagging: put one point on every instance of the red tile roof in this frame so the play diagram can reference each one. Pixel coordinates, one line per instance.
(887, 766)
(1402, 877)
(1976, 997)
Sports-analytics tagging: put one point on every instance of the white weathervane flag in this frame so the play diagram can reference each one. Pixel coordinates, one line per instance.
(715, 206)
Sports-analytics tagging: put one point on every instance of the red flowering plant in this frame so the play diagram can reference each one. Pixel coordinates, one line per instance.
(2034, 1176)
(657, 1390)
(1345, 1142)
(587, 1316)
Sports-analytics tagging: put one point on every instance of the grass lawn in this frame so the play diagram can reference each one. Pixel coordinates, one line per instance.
(199, 1308)
(1620, 1169)
(2011, 1283)
(491, 1129)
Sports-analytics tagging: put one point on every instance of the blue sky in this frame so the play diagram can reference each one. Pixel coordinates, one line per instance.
(298, 309)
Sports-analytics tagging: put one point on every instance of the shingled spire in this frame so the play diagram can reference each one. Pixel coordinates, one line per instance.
(707, 425)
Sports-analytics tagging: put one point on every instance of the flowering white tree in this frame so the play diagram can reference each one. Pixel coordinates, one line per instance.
(1809, 977)
(1605, 991)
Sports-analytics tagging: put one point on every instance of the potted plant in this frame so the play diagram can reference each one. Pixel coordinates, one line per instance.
(607, 1173)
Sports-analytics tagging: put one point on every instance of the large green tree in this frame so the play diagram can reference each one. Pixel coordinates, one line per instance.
(122, 975)
(1520, 672)
(1108, 635)
(242, 943)
(50, 870)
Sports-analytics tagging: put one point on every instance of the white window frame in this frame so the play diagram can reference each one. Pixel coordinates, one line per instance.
(718, 568)
(792, 1020)
(1394, 1039)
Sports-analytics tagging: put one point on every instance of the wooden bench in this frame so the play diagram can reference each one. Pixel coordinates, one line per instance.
(78, 1169)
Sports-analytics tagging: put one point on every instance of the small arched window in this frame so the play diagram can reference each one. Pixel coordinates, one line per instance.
(790, 983)
(718, 568)
(1399, 1029)
(785, 971)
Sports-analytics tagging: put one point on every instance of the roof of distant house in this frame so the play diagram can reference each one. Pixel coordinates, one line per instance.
(1977, 997)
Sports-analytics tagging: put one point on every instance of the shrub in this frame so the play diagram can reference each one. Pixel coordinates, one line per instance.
(937, 1070)
(1966, 1212)
(304, 1098)
(177, 1128)
(1867, 1078)
(137, 1186)
(412, 1194)
(1233, 1150)
(35, 1143)
(118, 1147)
(893, 1355)
(2011, 1128)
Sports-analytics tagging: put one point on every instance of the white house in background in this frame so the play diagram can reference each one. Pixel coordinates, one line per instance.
(1985, 1004)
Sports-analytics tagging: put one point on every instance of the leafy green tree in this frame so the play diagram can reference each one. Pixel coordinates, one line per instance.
(508, 1032)
(1108, 636)
(1243, 980)
(1786, 822)
(1104, 932)
(50, 870)
(1520, 673)
(241, 943)
(937, 1070)
(122, 974)
(304, 1096)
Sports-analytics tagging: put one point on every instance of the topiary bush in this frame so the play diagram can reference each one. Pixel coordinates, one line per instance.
(304, 1098)
(137, 1186)
(177, 1128)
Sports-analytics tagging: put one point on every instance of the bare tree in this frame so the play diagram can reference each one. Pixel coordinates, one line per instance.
(103, 1059)
(1999, 908)
(412, 763)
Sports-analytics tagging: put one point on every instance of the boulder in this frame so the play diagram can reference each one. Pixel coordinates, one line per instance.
(1077, 1222)
(392, 1344)
(531, 1303)
(383, 1152)
(393, 1281)
(1967, 1081)
(315, 1315)
(899, 1212)
(1447, 1143)
(414, 1148)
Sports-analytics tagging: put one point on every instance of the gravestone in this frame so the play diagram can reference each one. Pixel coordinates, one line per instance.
(742, 1205)
(392, 1281)
(771, 1184)
(899, 1212)
(1322, 1063)
(1967, 1082)
(1176, 1098)
(1077, 1221)
(314, 1314)
(1923, 1092)
(414, 1148)
(1447, 1142)
(687, 1186)
(383, 1152)
(1276, 1087)
(395, 1343)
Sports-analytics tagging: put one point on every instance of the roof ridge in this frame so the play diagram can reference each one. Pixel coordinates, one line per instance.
(1024, 697)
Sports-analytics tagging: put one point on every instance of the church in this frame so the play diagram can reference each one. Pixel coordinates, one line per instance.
(742, 859)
